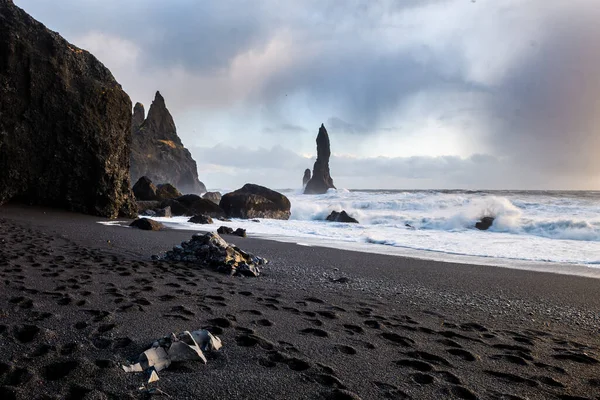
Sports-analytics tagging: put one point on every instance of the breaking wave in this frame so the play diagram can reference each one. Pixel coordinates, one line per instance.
(448, 212)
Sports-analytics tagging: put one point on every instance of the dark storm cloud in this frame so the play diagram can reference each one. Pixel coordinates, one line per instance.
(547, 113)
(199, 35)
(363, 66)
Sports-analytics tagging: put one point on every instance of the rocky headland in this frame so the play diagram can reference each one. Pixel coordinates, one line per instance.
(157, 151)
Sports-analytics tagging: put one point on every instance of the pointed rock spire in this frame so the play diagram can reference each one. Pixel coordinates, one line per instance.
(157, 150)
(321, 179)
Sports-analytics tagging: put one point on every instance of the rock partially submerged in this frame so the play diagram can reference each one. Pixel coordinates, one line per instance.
(201, 219)
(254, 201)
(485, 223)
(147, 224)
(341, 217)
(210, 250)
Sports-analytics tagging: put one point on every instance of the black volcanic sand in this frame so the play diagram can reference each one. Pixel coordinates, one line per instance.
(78, 299)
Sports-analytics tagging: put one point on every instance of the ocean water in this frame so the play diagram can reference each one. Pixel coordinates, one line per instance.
(560, 227)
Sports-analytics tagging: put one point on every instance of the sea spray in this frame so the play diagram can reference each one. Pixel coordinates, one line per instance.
(561, 227)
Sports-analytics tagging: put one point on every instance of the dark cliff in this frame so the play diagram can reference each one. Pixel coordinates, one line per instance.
(65, 122)
(157, 151)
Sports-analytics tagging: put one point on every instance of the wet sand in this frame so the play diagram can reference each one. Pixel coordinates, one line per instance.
(78, 299)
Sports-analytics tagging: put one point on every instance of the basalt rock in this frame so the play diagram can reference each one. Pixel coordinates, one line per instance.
(341, 217)
(210, 250)
(65, 123)
(167, 191)
(321, 179)
(147, 224)
(143, 206)
(145, 190)
(158, 153)
(225, 230)
(164, 212)
(201, 219)
(139, 114)
(240, 232)
(306, 177)
(215, 197)
(190, 205)
(254, 201)
(485, 223)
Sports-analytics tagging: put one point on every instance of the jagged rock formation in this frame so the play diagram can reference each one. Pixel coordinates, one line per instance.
(158, 153)
(321, 180)
(254, 201)
(65, 123)
(306, 177)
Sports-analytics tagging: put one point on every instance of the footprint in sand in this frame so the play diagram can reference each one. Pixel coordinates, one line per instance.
(345, 349)
(315, 332)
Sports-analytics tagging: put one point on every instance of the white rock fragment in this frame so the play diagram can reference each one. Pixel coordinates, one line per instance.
(185, 346)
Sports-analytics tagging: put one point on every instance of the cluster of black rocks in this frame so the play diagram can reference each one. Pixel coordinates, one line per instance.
(212, 251)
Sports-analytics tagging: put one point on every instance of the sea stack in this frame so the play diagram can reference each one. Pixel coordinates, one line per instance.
(158, 153)
(321, 180)
(65, 123)
(306, 177)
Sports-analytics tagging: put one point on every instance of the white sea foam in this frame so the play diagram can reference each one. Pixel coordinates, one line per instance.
(557, 227)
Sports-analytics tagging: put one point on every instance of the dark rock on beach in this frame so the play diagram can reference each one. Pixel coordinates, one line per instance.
(164, 212)
(485, 223)
(321, 179)
(143, 206)
(306, 177)
(254, 201)
(341, 217)
(167, 191)
(240, 232)
(215, 197)
(201, 219)
(147, 224)
(145, 190)
(157, 151)
(225, 230)
(190, 205)
(210, 250)
(65, 124)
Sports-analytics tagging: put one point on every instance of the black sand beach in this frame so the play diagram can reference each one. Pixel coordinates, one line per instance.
(78, 299)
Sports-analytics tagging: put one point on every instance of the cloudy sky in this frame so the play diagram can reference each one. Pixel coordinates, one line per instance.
(414, 93)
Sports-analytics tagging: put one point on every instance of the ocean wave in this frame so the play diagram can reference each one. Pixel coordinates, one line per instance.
(453, 212)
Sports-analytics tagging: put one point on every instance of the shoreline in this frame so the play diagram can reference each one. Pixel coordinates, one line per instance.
(392, 326)
(589, 271)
